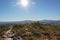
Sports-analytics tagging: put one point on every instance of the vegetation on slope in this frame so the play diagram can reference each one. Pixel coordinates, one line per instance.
(32, 30)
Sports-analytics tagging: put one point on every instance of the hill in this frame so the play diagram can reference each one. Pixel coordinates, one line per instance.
(33, 30)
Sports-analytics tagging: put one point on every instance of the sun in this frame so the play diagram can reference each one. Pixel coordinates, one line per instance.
(24, 3)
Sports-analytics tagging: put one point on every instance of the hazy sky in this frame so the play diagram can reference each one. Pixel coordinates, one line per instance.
(15, 10)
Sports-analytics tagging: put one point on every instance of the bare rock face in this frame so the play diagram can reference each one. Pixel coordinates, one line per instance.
(9, 35)
(7, 39)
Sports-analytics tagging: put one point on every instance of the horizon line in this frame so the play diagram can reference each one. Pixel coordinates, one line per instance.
(26, 20)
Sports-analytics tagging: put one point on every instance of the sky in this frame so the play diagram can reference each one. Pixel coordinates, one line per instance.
(18, 10)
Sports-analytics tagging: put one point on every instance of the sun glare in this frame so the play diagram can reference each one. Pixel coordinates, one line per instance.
(24, 3)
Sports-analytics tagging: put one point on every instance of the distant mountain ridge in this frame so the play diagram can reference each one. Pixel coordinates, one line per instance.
(17, 22)
(30, 21)
(51, 21)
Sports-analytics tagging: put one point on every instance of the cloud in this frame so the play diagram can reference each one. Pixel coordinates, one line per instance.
(13, 3)
(33, 3)
(18, 3)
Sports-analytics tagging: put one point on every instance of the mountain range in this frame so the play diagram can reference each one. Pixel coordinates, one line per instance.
(30, 21)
